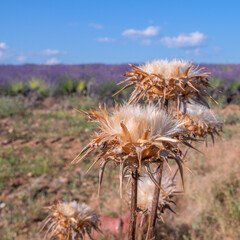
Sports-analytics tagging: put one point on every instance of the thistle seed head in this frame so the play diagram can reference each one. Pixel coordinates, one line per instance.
(138, 119)
(172, 69)
(162, 81)
(70, 221)
(201, 121)
(134, 136)
(146, 190)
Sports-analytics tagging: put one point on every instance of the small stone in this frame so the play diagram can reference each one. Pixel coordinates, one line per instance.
(2, 205)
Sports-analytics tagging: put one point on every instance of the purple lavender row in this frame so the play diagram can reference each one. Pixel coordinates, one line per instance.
(96, 73)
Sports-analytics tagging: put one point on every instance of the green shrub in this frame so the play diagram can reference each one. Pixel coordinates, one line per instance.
(67, 86)
(235, 85)
(81, 86)
(106, 90)
(16, 87)
(34, 83)
(39, 86)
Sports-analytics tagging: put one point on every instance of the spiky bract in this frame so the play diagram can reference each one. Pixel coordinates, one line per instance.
(145, 193)
(70, 221)
(135, 135)
(201, 121)
(177, 81)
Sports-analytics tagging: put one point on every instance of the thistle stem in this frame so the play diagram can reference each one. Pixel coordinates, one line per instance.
(153, 214)
(133, 216)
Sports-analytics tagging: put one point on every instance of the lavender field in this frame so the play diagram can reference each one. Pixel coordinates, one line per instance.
(97, 73)
(98, 80)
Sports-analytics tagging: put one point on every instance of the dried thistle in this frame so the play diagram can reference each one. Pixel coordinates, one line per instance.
(200, 121)
(70, 221)
(177, 81)
(134, 136)
(146, 190)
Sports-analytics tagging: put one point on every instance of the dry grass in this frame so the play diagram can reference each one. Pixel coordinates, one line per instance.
(210, 206)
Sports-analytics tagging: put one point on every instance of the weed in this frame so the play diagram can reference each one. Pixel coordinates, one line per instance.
(232, 119)
(224, 214)
(67, 125)
(229, 132)
(17, 162)
(80, 102)
(11, 106)
(216, 82)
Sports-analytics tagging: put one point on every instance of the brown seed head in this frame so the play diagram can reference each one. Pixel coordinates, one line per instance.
(70, 221)
(201, 121)
(177, 81)
(134, 136)
(146, 190)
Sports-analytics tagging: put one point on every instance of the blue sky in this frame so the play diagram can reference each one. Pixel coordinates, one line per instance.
(75, 31)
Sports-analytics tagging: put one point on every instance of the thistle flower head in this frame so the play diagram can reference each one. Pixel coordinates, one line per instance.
(173, 69)
(70, 221)
(135, 135)
(176, 81)
(146, 191)
(137, 120)
(201, 121)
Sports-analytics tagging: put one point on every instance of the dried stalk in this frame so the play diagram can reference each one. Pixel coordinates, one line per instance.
(153, 214)
(133, 213)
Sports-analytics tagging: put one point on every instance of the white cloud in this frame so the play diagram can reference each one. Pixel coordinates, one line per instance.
(105, 39)
(150, 31)
(3, 45)
(194, 39)
(21, 58)
(50, 52)
(52, 61)
(95, 25)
